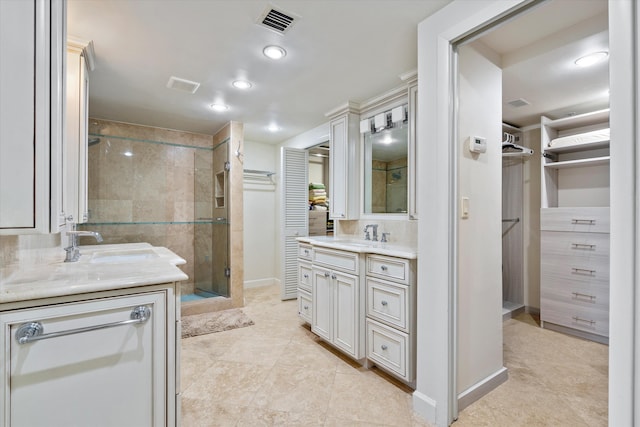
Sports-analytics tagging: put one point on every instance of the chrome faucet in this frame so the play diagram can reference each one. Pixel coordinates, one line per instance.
(375, 232)
(73, 251)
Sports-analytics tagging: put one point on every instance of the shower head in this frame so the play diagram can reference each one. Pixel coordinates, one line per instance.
(93, 141)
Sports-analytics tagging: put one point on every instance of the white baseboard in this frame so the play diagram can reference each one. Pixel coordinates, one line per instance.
(424, 406)
(258, 283)
(481, 388)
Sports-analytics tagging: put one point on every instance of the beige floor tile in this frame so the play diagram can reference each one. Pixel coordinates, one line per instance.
(205, 412)
(267, 417)
(296, 389)
(257, 349)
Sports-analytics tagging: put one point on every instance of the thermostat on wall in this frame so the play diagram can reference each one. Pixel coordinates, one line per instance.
(477, 144)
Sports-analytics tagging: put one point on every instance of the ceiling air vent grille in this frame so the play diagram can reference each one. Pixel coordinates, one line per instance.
(277, 20)
(182, 84)
(520, 102)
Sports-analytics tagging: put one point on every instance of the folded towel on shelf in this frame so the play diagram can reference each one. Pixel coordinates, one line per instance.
(318, 199)
(317, 193)
(319, 208)
(316, 186)
(600, 135)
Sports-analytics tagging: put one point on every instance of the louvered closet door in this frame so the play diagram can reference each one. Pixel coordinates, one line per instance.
(293, 214)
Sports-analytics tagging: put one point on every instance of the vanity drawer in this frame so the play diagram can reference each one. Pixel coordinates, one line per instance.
(389, 349)
(305, 306)
(390, 268)
(304, 275)
(591, 320)
(332, 258)
(305, 251)
(588, 220)
(388, 303)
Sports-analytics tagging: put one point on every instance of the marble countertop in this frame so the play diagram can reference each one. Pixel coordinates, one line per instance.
(100, 268)
(362, 246)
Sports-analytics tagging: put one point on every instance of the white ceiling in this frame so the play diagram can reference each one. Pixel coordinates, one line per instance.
(337, 51)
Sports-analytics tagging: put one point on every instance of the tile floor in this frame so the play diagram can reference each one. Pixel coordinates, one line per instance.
(277, 373)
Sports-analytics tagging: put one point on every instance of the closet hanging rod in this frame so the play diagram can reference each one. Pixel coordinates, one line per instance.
(259, 172)
(511, 220)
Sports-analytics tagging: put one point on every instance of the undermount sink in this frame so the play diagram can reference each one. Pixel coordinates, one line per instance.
(131, 255)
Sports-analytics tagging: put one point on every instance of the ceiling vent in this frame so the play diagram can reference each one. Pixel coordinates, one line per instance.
(182, 84)
(277, 20)
(517, 103)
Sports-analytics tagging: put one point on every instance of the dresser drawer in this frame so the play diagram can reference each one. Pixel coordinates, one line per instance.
(585, 319)
(388, 303)
(305, 251)
(304, 275)
(567, 291)
(389, 349)
(342, 260)
(574, 269)
(575, 245)
(390, 268)
(305, 306)
(588, 220)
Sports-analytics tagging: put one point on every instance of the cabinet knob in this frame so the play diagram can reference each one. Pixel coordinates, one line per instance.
(384, 303)
(306, 307)
(306, 251)
(333, 276)
(306, 276)
(383, 347)
(384, 268)
(326, 274)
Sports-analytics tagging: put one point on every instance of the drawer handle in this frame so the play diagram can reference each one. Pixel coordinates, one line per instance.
(333, 276)
(384, 303)
(579, 319)
(306, 251)
(583, 221)
(326, 274)
(306, 307)
(583, 270)
(579, 295)
(384, 268)
(306, 276)
(582, 246)
(33, 331)
(383, 347)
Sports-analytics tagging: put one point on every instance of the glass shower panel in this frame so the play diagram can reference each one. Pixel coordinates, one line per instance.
(211, 242)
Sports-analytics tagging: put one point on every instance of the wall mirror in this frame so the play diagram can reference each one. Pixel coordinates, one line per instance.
(385, 180)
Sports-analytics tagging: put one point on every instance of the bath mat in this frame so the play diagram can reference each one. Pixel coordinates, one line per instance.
(217, 321)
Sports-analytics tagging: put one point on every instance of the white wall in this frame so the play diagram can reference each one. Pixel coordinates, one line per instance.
(260, 209)
(480, 234)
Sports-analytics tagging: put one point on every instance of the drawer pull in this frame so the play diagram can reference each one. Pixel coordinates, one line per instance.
(306, 251)
(306, 276)
(334, 277)
(579, 295)
(583, 221)
(384, 268)
(326, 274)
(306, 307)
(579, 319)
(583, 271)
(383, 347)
(582, 246)
(384, 303)
(33, 331)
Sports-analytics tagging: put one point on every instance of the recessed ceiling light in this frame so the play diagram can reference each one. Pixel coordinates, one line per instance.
(273, 128)
(241, 84)
(274, 52)
(591, 59)
(219, 107)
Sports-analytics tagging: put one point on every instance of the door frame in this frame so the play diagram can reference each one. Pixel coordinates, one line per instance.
(435, 396)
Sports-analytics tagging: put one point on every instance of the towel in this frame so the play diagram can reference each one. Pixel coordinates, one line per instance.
(316, 186)
(317, 193)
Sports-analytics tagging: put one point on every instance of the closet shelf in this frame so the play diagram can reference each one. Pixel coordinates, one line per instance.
(578, 147)
(593, 161)
(572, 122)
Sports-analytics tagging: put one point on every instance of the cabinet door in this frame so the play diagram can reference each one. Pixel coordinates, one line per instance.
(30, 114)
(75, 379)
(344, 181)
(346, 313)
(322, 303)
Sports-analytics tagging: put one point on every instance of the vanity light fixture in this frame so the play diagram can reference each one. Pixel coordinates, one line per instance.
(591, 59)
(274, 52)
(218, 107)
(241, 84)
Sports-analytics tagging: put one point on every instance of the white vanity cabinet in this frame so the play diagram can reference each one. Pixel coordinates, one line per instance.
(31, 106)
(344, 182)
(102, 359)
(305, 273)
(391, 301)
(337, 301)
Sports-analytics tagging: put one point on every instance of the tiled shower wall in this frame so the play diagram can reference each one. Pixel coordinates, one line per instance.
(142, 184)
